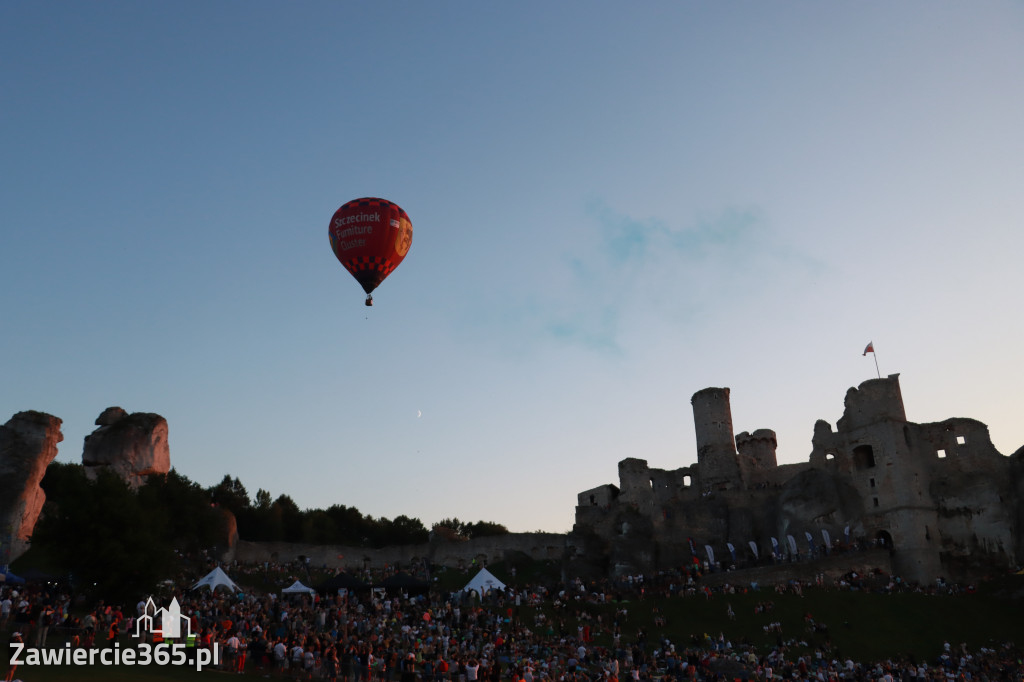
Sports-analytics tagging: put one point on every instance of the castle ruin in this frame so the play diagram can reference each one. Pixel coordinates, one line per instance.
(938, 496)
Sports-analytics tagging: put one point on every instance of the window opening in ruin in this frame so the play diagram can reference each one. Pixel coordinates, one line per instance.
(686, 481)
(652, 484)
(941, 453)
(830, 457)
(593, 499)
(876, 501)
(960, 440)
(872, 483)
(863, 457)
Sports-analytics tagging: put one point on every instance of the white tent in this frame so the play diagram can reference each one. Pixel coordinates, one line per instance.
(217, 578)
(298, 588)
(483, 582)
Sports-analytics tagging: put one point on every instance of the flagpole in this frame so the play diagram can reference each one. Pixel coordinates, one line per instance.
(870, 348)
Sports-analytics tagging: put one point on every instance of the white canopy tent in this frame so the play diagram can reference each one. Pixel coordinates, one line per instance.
(298, 588)
(483, 582)
(217, 578)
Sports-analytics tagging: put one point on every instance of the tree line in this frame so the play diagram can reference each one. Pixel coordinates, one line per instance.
(123, 541)
(281, 519)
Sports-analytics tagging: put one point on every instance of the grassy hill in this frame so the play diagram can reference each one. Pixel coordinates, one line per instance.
(865, 626)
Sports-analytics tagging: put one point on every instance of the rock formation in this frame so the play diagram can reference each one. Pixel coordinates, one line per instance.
(229, 537)
(133, 446)
(28, 443)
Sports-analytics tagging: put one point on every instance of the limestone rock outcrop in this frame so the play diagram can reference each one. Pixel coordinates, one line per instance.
(28, 443)
(133, 446)
(229, 537)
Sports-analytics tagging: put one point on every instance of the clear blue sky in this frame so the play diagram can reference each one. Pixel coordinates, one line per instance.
(615, 205)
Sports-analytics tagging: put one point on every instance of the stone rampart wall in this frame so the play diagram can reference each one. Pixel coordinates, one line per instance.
(492, 549)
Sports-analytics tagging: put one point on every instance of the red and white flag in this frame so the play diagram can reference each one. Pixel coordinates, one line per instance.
(870, 348)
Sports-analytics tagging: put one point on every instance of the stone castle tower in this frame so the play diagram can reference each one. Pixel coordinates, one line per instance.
(892, 478)
(716, 448)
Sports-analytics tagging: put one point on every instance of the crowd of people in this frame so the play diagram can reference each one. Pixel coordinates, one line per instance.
(376, 636)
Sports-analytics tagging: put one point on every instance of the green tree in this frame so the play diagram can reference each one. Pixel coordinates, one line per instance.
(263, 499)
(190, 524)
(482, 529)
(290, 516)
(407, 531)
(452, 525)
(350, 526)
(469, 530)
(103, 536)
(318, 528)
(231, 494)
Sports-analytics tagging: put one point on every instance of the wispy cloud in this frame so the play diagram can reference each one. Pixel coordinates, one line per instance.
(674, 270)
(638, 241)
(623, 271)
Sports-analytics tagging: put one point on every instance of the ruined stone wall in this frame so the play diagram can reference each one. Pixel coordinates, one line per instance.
(964, 440)
(974, 518)
(828, 449)
(667, 486)
(774, 478)
(593, 505)
(589, 517)
(601, 496)
(972, 485)
(485, 550)
(1017, 500)
(635, 483)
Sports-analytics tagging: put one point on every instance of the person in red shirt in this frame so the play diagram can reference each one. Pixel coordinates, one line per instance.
(112, 635)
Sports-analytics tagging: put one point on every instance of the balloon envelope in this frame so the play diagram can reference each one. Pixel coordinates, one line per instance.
(370, 237)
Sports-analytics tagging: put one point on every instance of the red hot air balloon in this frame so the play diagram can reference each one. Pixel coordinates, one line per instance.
(370, 237)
